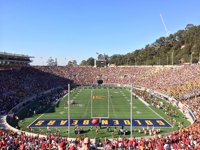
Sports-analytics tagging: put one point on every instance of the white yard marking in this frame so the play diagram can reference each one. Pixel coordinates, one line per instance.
(87, 106)
(159, 116)
(138, 112)
(134, 107)
(62, 112)
(112, 106)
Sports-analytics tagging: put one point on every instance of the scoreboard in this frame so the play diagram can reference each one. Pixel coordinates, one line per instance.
(100, 63)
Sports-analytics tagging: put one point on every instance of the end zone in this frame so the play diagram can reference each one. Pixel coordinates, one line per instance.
(43, 123)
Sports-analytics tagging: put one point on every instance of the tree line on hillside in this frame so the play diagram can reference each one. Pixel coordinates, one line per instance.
(178, 48)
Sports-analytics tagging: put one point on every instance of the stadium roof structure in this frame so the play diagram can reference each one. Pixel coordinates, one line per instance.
(15, 55)
(11, 60)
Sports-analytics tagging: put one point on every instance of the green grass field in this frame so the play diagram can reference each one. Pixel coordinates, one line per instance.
(119, 105)
(112, 103)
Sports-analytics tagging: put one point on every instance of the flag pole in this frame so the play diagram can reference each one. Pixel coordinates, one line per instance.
(68, 110)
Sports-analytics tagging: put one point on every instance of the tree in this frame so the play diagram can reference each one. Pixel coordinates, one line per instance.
(189, 26)
(90, 61)
(83, 63)
(55, 62)
(69, 63)
(107, 58)
(100, 57)
(74, 62)
(51, 62)
(181, 44)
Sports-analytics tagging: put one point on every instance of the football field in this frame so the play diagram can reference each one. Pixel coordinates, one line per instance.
(111, 105)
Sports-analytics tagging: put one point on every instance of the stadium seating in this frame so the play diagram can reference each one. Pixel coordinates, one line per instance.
(181, 82)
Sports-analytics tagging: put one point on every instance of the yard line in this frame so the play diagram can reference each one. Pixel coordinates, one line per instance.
(87, 107)
(159, 115)
(154, 111)
(112, 106)
(125, 99)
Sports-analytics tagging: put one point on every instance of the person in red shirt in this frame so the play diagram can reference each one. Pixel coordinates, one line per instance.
(1, 144)
(72, 147)
(43, 145)
(22, 146)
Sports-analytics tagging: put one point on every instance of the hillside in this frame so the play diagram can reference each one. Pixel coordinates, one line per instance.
(180, 47)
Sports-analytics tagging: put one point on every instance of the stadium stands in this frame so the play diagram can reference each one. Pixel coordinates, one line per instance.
(17, 85)
(181, 82)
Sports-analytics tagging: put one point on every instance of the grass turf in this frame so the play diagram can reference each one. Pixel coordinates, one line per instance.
(119, 107)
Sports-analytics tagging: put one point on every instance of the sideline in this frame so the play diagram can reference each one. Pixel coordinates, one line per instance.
(60, 99)
(160, 116)
(152, 109)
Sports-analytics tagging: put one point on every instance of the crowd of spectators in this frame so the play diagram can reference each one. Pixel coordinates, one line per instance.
(177, 140)
(12, 141)
(44, 102)
(181, 82)
(178, 81)
(17, 85)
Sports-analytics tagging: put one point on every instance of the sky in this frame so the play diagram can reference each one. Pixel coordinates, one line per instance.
(77, 29)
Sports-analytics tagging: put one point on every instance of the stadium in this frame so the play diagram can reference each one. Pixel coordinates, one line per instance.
(99, 75)
(110, 105)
